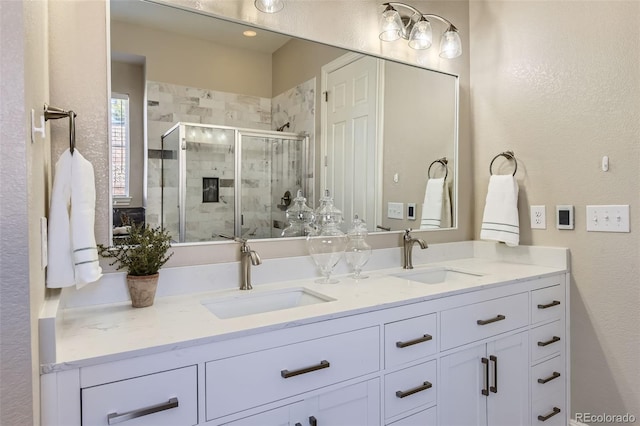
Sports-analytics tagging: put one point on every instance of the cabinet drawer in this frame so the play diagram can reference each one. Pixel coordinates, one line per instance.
(547, 303)
(167, 398)
(410, 388)
(549, 410)
(423, 418)
(485, 319)
(547, 340)
(244, 381)
(409, 340)
(547, 378)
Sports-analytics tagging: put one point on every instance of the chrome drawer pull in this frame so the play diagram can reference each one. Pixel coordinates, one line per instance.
(555, 411)
(555, 375)
(548, 342)
(313, 421)
(424, 338)
(114, 418)
(424, 386)
(485, 391)
(323, 364)
(489, 321)
(549, 305)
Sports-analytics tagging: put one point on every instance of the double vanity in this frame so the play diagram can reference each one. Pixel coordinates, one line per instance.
(477, 333)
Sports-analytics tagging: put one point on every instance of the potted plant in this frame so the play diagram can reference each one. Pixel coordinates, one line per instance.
(142, 254)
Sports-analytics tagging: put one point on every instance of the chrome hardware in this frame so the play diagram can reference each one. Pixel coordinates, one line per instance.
(509, 155)
(555, 375)
(408, 242)
(114, 418)
(248, 257)
(548, 342)
(489, 321)
(424, 386)
(549, 305)
(494, 388)
(485, 391)
(298, 424)
(286, 373)
(55, 113)
(313, 421)
(555, 411)
(424, 338)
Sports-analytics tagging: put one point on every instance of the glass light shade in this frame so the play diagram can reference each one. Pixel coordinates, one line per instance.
(269, 6)
(390, 25)
(421, 35)
(450, 45)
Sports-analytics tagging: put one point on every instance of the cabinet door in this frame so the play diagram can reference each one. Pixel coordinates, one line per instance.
(462, 380)
(280, 416)
(508, 400)
(357, 404)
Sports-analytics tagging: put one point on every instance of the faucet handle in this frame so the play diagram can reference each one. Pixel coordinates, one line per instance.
(407, 233)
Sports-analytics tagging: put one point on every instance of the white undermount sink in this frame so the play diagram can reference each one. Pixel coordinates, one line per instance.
(437, 275)
(260, 302)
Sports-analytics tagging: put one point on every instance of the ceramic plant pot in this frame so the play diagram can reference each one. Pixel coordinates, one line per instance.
(142, 289)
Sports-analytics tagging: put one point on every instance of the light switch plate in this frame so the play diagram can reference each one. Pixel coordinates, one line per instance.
(395, 210)
(538, 217)
(614, 218)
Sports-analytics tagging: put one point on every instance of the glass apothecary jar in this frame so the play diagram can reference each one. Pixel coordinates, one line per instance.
(300, 217)
(357, 251)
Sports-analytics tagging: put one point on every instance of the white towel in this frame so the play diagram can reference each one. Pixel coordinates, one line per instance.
(500, 219)
(73, 255)
(433, 204)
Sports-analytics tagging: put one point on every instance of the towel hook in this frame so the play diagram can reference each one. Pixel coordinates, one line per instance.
(54, 113)
(444, 163)
(509, 155)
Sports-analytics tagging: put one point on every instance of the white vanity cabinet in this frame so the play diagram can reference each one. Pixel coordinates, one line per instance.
(493, 355)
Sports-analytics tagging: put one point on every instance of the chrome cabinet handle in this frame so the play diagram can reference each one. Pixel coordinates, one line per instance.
(424, 338)
(555, 411)
(422, 387)
(555, 375)
(113, 418)
(323, 364)
(485, 390)
(549, 305)
(489, 321)
(548, 342)
(313, 421)
(494, 388)
(298, 424)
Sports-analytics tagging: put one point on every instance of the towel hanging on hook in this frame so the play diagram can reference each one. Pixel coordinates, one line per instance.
(54, 113)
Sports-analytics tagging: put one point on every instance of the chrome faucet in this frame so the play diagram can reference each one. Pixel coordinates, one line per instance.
(408, 242)
(248, 257)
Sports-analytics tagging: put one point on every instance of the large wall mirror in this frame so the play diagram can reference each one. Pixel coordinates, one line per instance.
(217, 127)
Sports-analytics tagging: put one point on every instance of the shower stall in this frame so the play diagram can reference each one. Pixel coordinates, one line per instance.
(200, 170)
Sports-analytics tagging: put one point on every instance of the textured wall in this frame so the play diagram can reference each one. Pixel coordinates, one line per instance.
(559, 83)
(24, 172)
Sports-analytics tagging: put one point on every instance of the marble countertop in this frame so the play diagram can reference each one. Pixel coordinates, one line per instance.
(101, 333)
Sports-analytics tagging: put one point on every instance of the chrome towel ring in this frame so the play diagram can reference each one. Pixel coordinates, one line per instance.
(444, 163)
(509, 155)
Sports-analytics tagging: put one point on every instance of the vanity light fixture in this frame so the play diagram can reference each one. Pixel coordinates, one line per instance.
(269, 6)
(414, 26)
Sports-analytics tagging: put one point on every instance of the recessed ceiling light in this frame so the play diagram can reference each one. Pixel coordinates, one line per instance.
(249, 33)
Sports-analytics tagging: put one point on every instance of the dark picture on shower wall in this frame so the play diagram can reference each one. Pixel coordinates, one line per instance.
(210, 190)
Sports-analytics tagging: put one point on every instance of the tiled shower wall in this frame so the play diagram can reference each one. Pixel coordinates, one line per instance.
(168, 104)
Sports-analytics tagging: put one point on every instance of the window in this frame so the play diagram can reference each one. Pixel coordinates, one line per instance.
(120, 145)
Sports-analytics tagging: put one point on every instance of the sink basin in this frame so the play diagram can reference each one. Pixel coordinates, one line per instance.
(437, 275)
(256, 303)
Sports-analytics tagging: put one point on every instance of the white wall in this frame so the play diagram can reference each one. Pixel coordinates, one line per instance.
(24, 174)
(558, 82)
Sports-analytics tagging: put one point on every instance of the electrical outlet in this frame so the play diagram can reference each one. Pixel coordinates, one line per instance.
(538, 217)
(608, 218)
(395, 210)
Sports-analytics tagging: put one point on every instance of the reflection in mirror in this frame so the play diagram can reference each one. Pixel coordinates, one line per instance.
(209, 107)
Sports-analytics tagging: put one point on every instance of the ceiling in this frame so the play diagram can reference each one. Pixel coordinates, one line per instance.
(140, 12)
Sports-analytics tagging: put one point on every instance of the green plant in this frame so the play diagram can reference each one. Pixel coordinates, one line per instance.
(142, 253)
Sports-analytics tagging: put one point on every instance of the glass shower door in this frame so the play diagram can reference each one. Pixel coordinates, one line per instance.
(169, 183)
